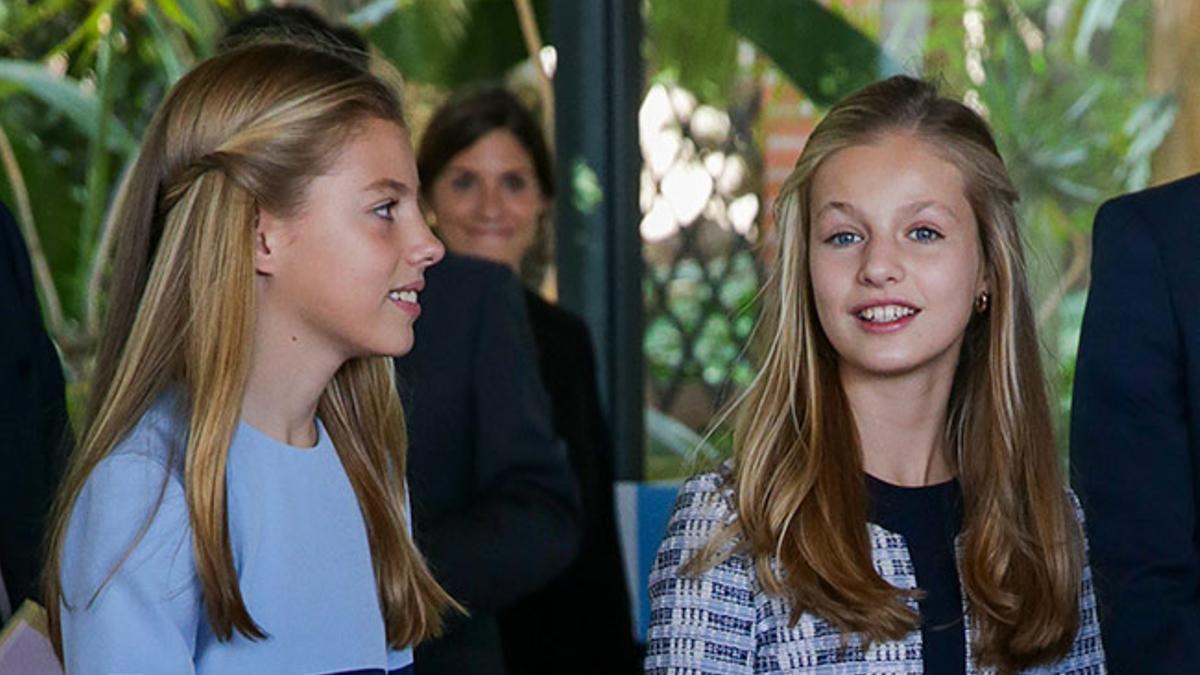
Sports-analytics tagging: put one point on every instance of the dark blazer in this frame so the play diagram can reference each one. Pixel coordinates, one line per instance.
(585, 611)
(495, 509)
(1135, 428)
(33, 418)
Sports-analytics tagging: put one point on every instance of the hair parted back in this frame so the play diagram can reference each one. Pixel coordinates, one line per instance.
(241, 132)
(797, 474)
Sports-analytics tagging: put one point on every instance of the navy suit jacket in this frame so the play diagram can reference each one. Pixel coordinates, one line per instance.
(495, 508)
(1135, 427)
(586, 609)
(33, 418)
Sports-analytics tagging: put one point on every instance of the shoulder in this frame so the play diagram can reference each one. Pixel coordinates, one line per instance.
(16, 283)
(159, 436)
(468, 274)
(553, 323)
(132, 507)
(1076, 505)
(703, 506)
(145, 463)
(706, 621)
(706, 497)
(1155, 207)
(464, 295)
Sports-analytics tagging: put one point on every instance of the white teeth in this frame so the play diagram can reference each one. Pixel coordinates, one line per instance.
(886, 313)
(403, 296)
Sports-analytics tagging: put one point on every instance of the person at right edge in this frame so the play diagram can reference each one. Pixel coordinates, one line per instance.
(1135, 428)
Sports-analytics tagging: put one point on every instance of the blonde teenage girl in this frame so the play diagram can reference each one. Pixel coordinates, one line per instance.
(237, 503)
(894, 503)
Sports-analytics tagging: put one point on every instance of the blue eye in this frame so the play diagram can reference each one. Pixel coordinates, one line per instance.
(924, 234)
(386, 210)
(843, 239)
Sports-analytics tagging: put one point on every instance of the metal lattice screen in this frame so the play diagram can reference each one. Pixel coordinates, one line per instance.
(702, 273)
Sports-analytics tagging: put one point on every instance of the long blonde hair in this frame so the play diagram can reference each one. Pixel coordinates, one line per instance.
(242, 132)
(797, 474)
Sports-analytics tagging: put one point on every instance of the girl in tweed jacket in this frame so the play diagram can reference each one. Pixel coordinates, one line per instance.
(894, 503)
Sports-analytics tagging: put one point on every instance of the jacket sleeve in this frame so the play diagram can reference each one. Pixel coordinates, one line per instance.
(704, 623)
(1087, 652)
(1131, 458)
(33, 418)
(522, 528)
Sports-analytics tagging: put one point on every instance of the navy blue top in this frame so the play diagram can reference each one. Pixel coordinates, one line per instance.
(929, 518)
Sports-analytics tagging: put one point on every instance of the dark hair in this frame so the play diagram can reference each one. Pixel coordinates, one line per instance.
(297, 24)
(468, 117)
(471, 115)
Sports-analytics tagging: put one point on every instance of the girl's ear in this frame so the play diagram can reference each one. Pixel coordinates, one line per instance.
(267, 233)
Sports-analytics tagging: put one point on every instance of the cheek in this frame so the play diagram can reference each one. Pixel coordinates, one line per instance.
(450, 218)
(828, 283)
(525, 210)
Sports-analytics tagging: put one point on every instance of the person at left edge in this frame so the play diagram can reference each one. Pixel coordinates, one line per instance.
(237, 503)
(33, 420)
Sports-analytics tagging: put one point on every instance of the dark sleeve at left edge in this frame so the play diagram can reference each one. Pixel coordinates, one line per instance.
(33, 418)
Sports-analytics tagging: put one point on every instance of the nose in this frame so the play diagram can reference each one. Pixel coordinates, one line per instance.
(424, 249)
(489, 205)
(881, 264)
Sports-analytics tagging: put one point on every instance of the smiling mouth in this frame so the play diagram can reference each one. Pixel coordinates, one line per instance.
(886, 313)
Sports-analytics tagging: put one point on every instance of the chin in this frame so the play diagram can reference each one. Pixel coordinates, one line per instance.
(392, 347)
(895, 364)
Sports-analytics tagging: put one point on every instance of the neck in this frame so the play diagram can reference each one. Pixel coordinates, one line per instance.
(287, 377)
(901, 424)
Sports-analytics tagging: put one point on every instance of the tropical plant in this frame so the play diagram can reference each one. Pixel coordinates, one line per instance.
(79, 81)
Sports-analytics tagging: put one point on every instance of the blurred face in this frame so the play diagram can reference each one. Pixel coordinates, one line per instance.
(895, 258)
(346, 272)
(487, 200)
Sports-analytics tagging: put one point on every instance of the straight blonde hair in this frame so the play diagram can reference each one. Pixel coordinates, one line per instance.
(797, 473)
(242, 132)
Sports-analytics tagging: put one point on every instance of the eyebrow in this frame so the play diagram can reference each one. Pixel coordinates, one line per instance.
(841, 207)
(508, 168)
(389, 184)
(911, 208)
(916, 207)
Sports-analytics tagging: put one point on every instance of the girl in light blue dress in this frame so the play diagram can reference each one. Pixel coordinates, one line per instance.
(237, 503)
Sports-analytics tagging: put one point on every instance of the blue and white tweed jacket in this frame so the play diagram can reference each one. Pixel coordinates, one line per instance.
(723, 622)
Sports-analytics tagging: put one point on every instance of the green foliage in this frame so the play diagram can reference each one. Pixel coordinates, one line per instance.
(693, 45)
(449, 42)
(820, 52)
(80, 80)
(1067, 99)
(1071, 111)
(1069, 105)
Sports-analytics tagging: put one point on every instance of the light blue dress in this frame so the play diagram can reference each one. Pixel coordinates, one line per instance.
(299, 545)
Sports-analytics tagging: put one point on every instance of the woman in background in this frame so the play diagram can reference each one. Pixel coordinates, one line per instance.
(488, 181)
(894, 502)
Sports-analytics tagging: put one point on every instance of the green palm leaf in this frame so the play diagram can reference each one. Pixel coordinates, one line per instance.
(68, 97)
